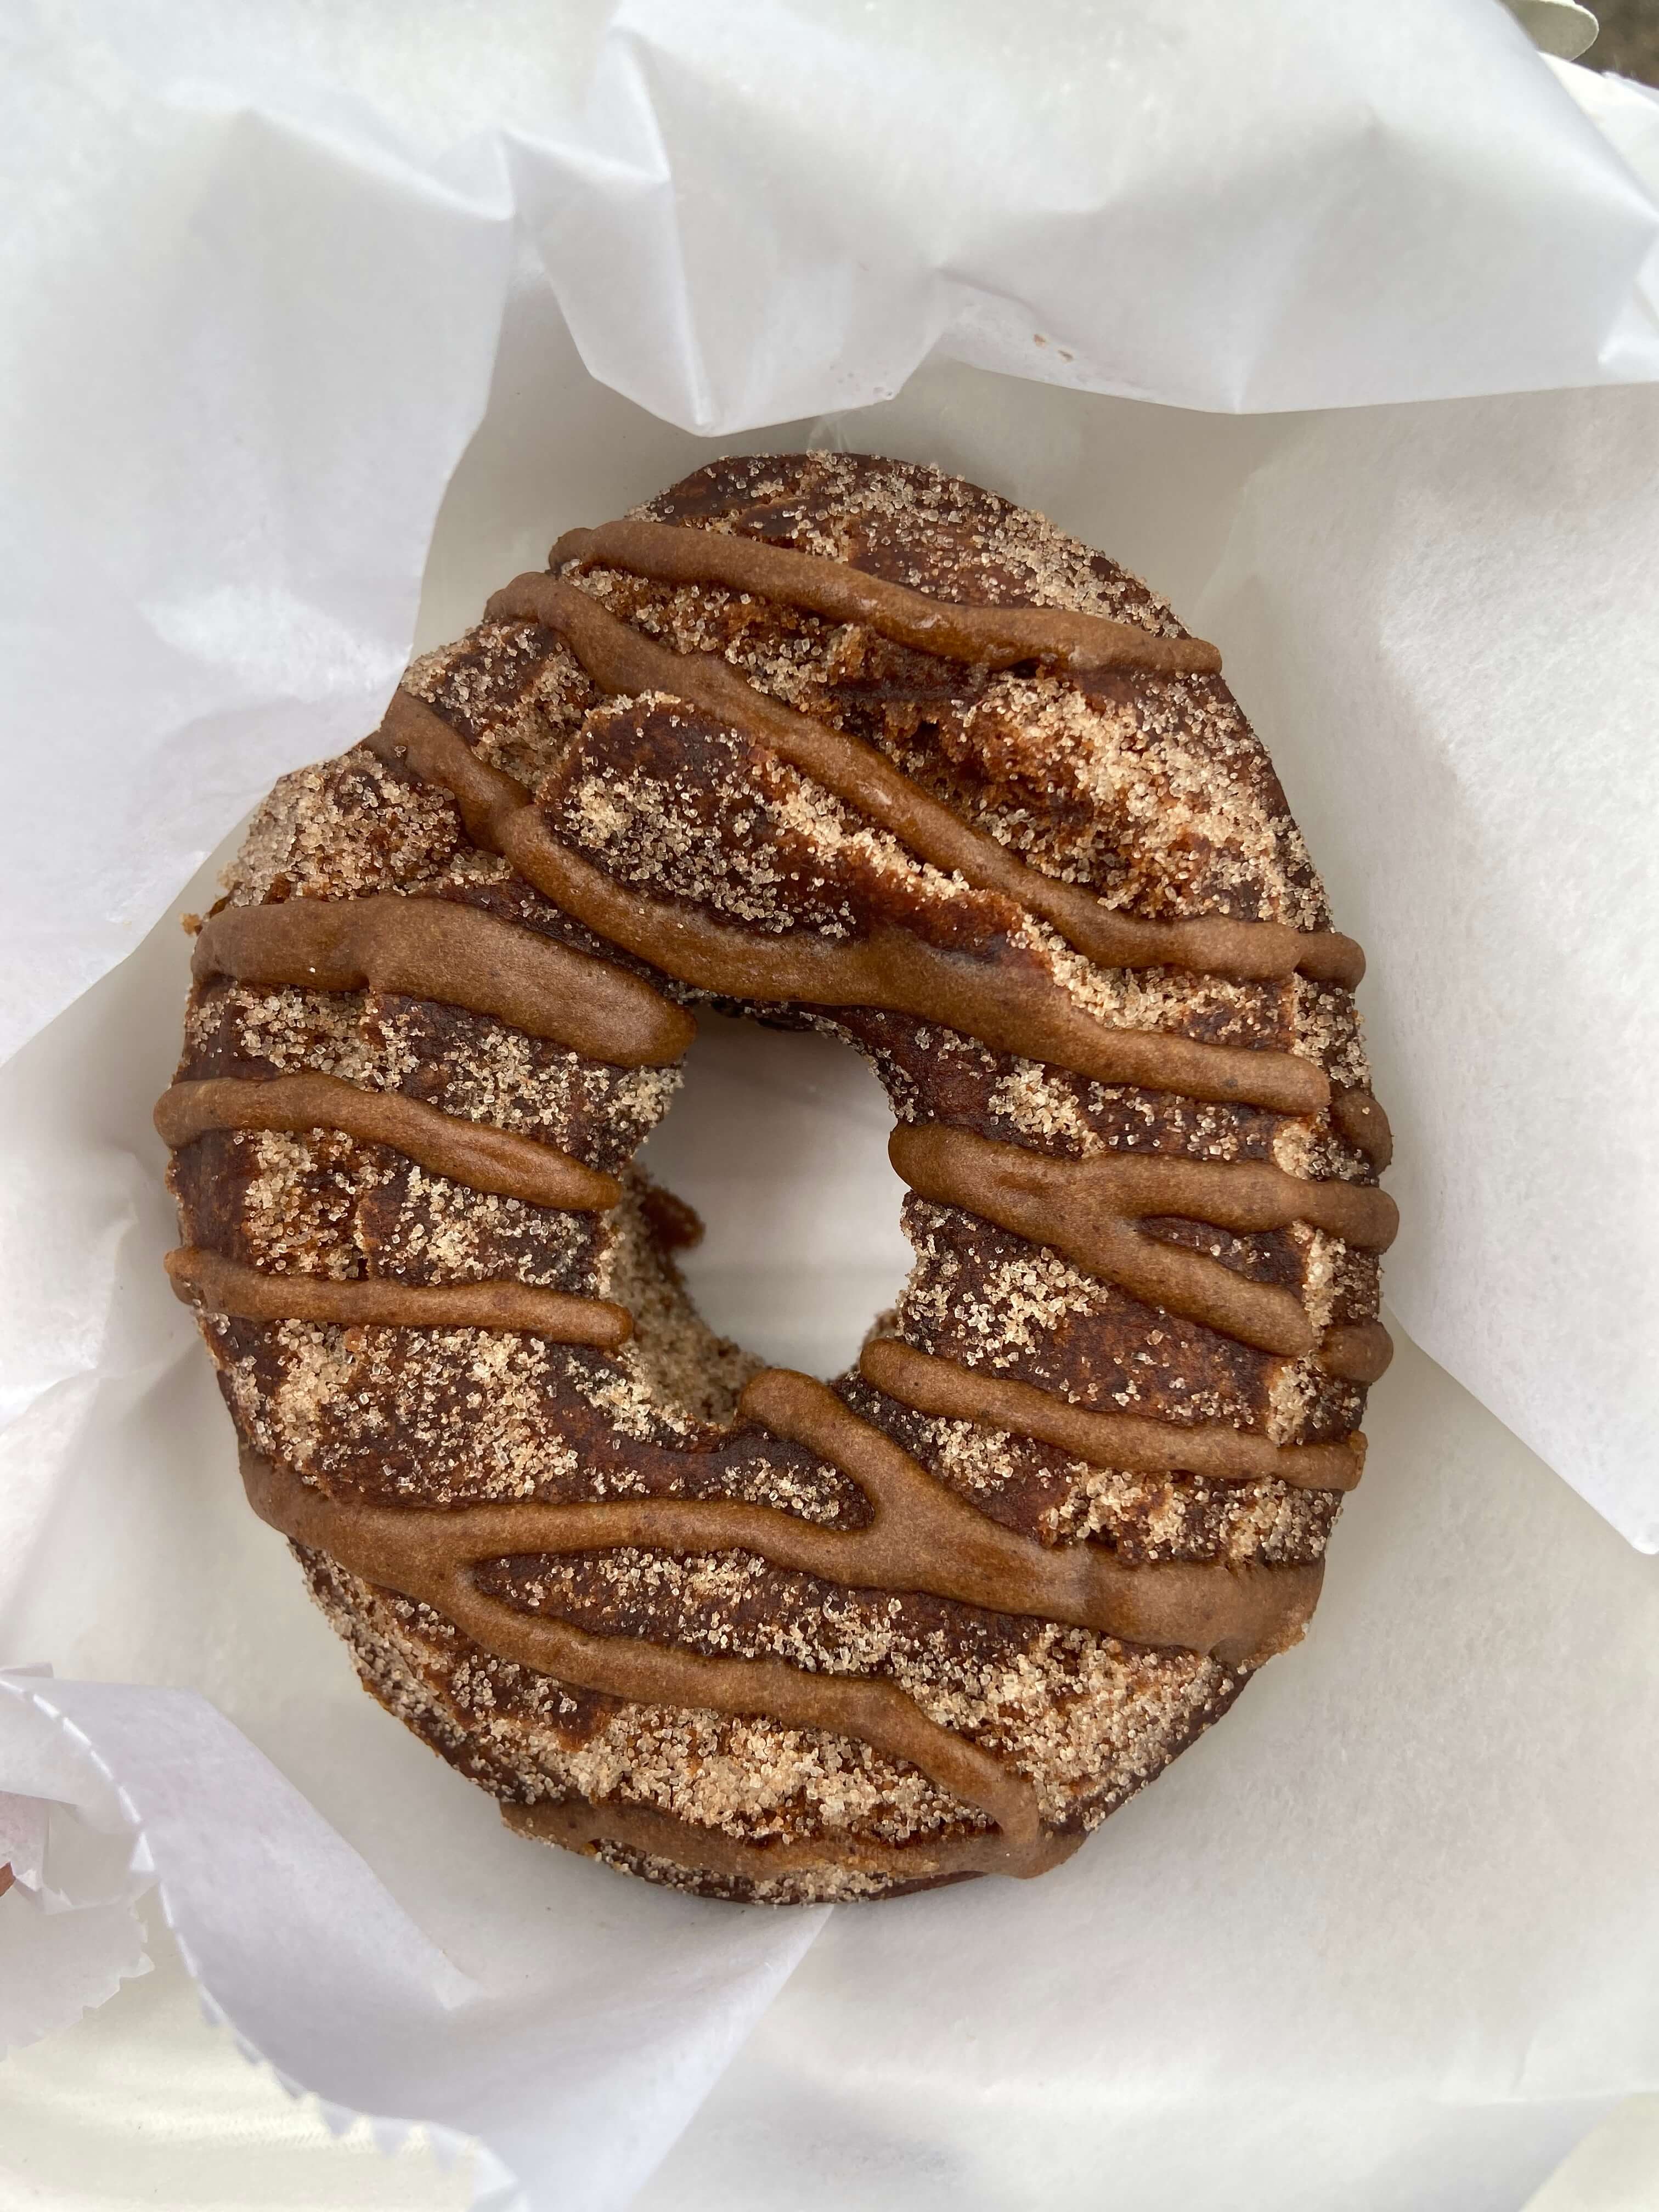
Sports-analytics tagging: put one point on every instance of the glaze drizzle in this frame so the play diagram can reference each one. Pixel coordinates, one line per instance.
(476, 1154)
(431, 948)
(921, 1536)
(1129, 1441)
(581, 1827)
(620, 659)
(1020, 1012)
(212, 1284)
(429, 1555)
(993, 637)
(1092, 1210)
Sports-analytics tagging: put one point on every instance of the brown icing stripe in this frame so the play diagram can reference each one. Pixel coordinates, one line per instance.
(430, 948)
(924, 1536)
(641, 1829)
(1091, 1210)
(1360, 1352)
(1363, 1122)
(620, 659)
(1128, 1441)
(1016, 1011)
(429, 1554)
(991, 637)
(921, 1536)
(475, 1154)
(212, 1284)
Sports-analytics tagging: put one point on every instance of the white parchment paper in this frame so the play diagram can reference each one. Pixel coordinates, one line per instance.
(323, 314)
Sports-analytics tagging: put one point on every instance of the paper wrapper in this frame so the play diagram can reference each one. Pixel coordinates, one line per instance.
(1386, 1938)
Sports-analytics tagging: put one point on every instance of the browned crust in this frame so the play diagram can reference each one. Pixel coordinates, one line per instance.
(620, 659)
(1062, 1455)
(1012, 1008)
(998, 637)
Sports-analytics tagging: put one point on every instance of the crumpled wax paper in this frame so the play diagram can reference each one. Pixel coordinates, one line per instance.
(1386, 1939)
(257, 253)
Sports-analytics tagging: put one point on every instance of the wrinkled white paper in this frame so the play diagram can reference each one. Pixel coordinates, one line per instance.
(584, 2055)
(275, 268)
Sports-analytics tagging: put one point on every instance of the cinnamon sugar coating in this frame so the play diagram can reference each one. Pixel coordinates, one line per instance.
(1149, 789)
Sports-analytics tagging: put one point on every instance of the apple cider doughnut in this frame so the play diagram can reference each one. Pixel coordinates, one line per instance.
(842, 744)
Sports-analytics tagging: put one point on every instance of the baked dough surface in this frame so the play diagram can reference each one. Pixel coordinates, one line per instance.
(917, 1658)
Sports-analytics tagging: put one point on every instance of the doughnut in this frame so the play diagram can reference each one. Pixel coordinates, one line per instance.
(844, 744)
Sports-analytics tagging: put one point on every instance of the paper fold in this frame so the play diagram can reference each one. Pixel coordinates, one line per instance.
(319, 1971)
